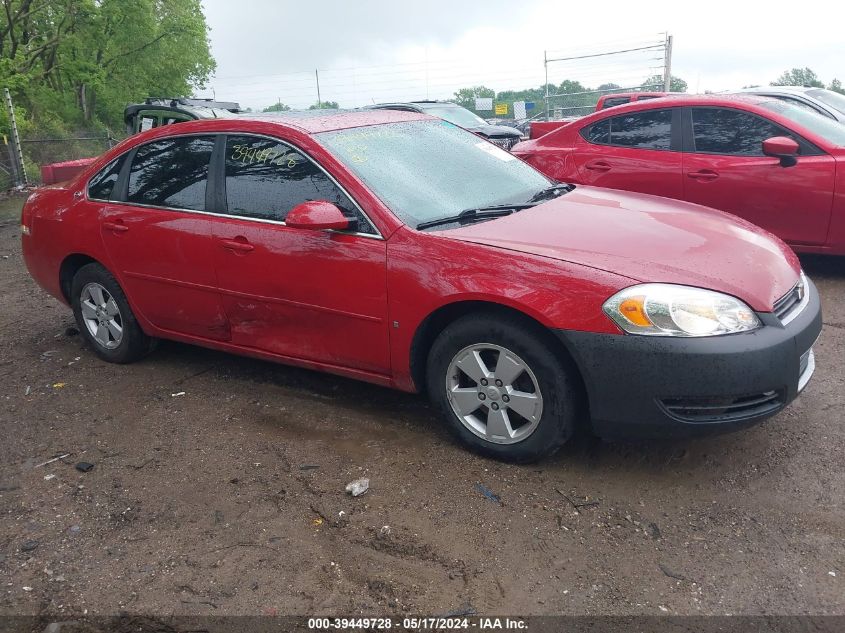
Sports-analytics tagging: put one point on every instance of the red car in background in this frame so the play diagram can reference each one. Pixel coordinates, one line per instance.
(775, 164)
(620, 98)
(400, 249)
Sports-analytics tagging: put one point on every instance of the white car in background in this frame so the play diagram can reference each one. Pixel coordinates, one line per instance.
(826, 102)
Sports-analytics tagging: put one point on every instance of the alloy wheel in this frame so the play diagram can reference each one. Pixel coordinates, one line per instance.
(494, 393)
(101, 315)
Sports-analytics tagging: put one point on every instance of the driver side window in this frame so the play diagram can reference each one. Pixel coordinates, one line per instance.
(733, 132)
(266, 178)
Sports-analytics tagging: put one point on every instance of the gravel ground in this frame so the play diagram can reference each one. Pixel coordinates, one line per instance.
(218, 487)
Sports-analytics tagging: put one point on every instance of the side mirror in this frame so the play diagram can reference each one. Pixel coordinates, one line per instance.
(782, 147)
(316, 215)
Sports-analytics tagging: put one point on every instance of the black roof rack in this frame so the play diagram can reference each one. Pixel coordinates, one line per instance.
(173, 102)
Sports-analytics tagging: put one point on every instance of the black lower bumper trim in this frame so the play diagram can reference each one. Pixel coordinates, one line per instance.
(663, 386)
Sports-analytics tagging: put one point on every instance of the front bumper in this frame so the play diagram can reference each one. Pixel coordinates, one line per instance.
(648, 386)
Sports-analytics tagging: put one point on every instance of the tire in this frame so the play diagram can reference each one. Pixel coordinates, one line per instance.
(536, 427)
(104, 317)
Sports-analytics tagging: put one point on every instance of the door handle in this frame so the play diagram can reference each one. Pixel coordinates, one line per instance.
(117, 226)
(704, 175)
(238, 245)
(598, 165)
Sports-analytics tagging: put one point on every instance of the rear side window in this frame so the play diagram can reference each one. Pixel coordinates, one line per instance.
(598, 132)
(651, 129)
(172, 173)
(266, 178)
(726, 131)
(614, 101)
(101, 186)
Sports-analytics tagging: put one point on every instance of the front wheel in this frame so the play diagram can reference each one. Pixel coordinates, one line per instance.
(502, 391)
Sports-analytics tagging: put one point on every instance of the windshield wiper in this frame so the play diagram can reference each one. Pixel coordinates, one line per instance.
(481, 213)
(552, 192)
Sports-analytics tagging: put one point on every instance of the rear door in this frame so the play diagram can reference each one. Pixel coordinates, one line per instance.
(319, 296)
(158, 236)
(725, 168)
(637, 151)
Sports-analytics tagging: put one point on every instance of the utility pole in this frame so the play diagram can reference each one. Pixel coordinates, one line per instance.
(667, 64)
(17, 154)
(319, 101)
(546, 66)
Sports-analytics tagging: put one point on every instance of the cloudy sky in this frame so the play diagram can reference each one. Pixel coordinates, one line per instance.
(369, 51)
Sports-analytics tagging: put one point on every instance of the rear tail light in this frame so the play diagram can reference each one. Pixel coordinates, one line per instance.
(27, 213)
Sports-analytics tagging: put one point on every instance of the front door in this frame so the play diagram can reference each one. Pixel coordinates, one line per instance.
(725, 168)
(319, 296)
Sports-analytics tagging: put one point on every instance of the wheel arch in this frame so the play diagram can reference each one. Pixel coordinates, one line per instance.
(433, 324)
(69, 267)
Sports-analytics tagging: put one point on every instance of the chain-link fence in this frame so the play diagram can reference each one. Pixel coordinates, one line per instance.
(7, 165)
(576, 104)
(38, 152)
(44, 151)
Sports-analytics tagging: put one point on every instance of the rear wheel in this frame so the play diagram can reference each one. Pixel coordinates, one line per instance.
(104, 317)
(501, 390)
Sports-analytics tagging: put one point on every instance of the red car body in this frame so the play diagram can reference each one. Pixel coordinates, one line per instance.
(803, 204)
(369, 306)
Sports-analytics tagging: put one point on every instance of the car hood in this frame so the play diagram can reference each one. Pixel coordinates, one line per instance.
(496, 131)
(648, 239)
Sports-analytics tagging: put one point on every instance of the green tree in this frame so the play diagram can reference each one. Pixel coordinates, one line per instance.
(798, 77)
(466, 96)
(836, 86)
(277, 107)
(568, 86)
(324, 105)
(655, 83)
(78, 62)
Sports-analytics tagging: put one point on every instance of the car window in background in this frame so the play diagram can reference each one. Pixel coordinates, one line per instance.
(733, 132)
(647, 97)
(800, 104)
(265, 179)
(171, 173)
(101, 186)
(829, 97)
(830, 130)
(598, 132)
(615, 101)
(650, 129)
(458, 116)
(426, 170)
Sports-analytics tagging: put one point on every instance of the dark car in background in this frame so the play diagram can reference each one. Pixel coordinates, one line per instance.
(501, 135)
(156, 111)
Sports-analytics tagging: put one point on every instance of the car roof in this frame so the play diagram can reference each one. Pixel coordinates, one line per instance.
(316, 121)
(788, 90)
(680, 99)
(416, 104)
(611, 95)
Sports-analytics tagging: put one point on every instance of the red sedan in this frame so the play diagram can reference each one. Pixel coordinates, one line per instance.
(776, 164)
(402, 250)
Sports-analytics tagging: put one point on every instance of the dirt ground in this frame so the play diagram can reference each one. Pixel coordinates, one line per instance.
(227, 499)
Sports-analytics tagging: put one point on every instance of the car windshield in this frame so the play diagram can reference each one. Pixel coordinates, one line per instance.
(454, 114)
(427, 170)
(828, 97)
(832, 131)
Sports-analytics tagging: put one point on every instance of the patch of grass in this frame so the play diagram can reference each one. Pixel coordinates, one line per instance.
(10, 206)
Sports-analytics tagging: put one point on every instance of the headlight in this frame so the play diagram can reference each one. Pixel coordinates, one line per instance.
(670, 310)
